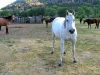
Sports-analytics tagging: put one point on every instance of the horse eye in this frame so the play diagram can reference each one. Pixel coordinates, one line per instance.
(67, 20)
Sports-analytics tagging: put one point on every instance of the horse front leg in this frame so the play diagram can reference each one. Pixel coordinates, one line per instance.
(7, 29)
(42, 21)
(46, 24)
(73, 50)
(61, 51)
(0, 28)
(90, 26)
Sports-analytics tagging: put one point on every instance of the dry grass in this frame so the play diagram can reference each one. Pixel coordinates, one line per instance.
(26, 51)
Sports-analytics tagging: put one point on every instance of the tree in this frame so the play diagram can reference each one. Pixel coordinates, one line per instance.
(52, 12)
(47, 11)
(54, 6)
(88, 11)
(41, 11)
(96, 11)
(23, 13)
(81, 12)
(62, 11)
(16, 12)
(5, 13)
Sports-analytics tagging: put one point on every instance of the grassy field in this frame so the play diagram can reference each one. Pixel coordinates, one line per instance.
(26, 50)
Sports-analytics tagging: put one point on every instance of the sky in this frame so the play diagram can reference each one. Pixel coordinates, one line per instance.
(4, 3)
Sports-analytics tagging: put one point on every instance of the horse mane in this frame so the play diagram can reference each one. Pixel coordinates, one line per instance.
(8, 17)
(65, 23)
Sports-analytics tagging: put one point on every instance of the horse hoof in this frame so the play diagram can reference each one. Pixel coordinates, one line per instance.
(52, 52)
(64, 53)
(75, 61)
(7, 33)
(59, 65)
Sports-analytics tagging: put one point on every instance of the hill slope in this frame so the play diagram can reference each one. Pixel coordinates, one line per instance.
(22, 5)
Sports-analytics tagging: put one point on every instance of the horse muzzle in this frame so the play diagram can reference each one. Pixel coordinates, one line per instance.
(72, 31)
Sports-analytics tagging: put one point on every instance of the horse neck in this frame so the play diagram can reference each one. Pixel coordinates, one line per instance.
(9, 20)
(65, 23)
(43, 18)
(85, 21)
(52, 19)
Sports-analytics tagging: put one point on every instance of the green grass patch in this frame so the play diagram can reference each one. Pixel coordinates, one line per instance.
(26, 50)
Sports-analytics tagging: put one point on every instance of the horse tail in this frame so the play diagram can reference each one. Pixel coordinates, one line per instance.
(42, 20)
(53, 35)
(98, 23)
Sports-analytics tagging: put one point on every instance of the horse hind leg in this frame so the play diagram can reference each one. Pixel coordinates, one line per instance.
(98, 25)
(53, 41)
(90, 26)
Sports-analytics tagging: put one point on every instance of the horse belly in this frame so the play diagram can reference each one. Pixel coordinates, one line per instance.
(56, 26)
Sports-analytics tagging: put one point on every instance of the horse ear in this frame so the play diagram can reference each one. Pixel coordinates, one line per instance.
(73, 12)
(67, 12)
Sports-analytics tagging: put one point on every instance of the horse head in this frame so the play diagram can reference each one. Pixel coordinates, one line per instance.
(52, 18)
(84, 21)
(70, 21)
(12, 16)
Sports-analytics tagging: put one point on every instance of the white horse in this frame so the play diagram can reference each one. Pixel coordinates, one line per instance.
(65, 29)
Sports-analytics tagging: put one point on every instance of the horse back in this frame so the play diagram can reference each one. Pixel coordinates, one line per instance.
(91, 21)
(95, 20)
(47, 20)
